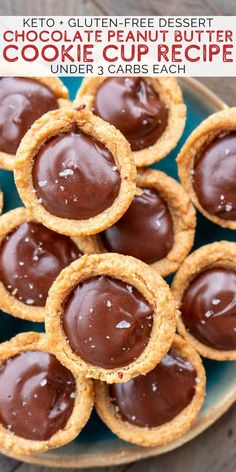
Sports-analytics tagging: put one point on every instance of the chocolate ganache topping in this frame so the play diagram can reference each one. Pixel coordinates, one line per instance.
(107, 322)
(22, 101)
(156, 398)
(147, 219)
(209, 308)
(36, 395)
(31, 257)
(75, 176)
(132, 106)
(215, 177)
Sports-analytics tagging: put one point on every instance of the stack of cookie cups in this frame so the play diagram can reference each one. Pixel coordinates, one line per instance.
(87, 255)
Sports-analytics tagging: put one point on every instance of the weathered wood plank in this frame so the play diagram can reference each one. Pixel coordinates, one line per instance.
(7, 464)
(154, 7)
(114, 7)
(48, 7)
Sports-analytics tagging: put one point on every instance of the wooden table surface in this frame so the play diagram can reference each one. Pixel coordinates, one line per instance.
(215, 449)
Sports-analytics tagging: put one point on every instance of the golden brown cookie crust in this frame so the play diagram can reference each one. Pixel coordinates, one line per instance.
(219, 254)
(134, 272)
(8, 303)
(82, 408)
(183, 217)
(7, 161)
(61, 121)
(168, 432)
(170, 93)
(201, 137)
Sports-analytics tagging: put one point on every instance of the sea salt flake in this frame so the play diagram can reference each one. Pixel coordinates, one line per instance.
(123, 324)
(114, 168)
(129, 288)
(208, 313)
(35, 258)
(21, 263)
(42, 183)
(109, 304)
(154, 387)
(29, 301)
(228, 206)
(215, 301)
(66, 173)
(43, 382)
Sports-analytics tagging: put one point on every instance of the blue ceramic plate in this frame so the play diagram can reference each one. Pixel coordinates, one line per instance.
(96, 445)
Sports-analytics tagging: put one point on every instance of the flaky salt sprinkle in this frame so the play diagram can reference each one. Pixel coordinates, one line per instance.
(42, 183)
(66, 173)
(43, 382)
(215, 301)
(123, 324)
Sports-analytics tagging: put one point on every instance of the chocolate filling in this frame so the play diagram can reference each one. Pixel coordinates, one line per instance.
(155, 398)
(75, 176)
(22, 101)
(36, 395)
(215, 177)
(107, 322)
(31, 258)
(209, 308)
(132, 106)
(145, 231)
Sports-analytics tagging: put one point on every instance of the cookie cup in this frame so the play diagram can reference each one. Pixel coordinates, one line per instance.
(220, 254)
(168, 432)
(200, 138)
(59, 122)
(131, 271)
(170, 93)
(182, 213)
(8, 303)
(83, 405)
(7, 161)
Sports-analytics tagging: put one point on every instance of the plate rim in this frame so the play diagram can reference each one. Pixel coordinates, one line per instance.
(113, 458)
